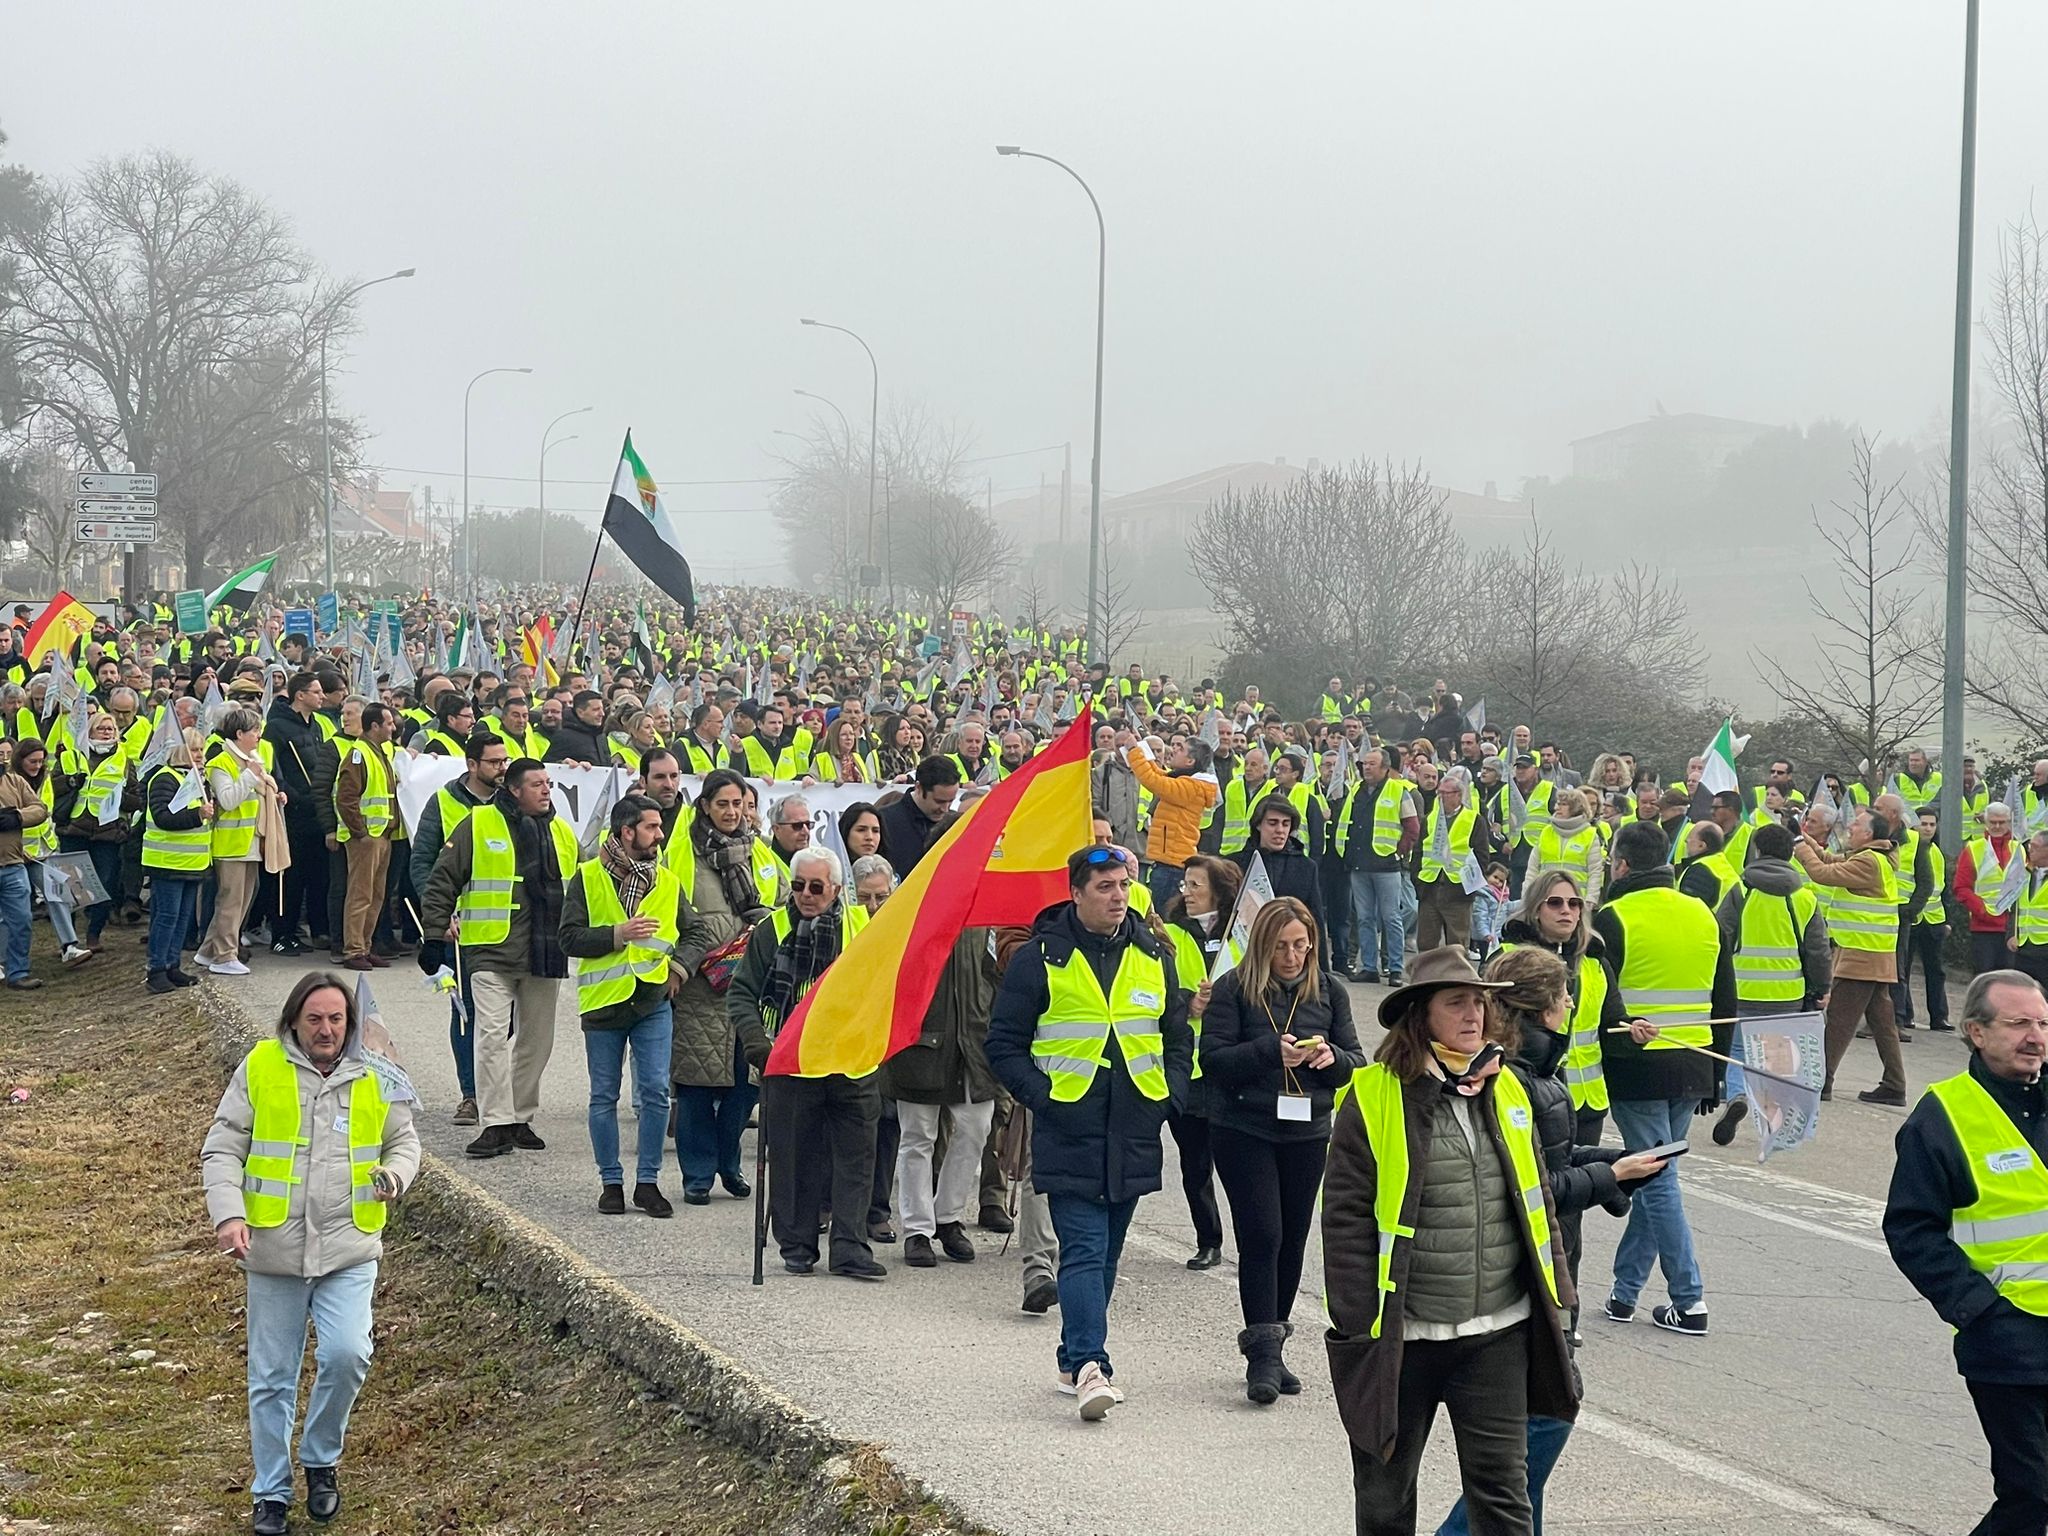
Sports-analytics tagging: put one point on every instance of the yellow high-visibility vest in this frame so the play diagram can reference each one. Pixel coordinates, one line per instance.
(2004, 1231)
(484, 908)
(1070, 1044)
(376, 801)
(175, 853)
(274, 1163)
(234, 831)
(1671, 945)
(1767, 968)
(611, 978)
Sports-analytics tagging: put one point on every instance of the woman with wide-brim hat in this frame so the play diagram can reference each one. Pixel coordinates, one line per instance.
(1444, 1276)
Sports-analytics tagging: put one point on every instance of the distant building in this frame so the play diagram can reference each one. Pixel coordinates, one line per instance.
(1708, 441)
(366, 509)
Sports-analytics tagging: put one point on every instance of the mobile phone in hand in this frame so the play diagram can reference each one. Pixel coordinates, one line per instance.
(1668, 1150)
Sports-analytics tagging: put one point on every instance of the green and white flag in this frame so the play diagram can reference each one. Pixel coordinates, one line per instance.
(1719, 772)
(638, 522)
(241, 590)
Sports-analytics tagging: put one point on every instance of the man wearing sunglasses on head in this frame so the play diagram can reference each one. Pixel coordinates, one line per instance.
(1090, 1033)
(784, 959)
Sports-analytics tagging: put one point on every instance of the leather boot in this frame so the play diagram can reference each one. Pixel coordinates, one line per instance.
(1260, 1345)
(1290, 1384)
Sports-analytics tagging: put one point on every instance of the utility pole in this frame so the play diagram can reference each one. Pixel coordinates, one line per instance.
(1951, 827)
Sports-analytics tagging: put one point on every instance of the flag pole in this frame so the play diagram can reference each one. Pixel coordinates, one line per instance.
(1733, 1061)
(591, 575)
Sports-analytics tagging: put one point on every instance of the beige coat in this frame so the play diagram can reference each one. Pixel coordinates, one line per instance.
(319, 1234)
(16, 793)
(1859, 874)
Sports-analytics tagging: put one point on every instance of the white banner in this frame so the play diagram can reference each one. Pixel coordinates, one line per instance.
(579, 791)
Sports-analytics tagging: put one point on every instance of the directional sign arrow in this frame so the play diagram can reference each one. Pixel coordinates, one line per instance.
(134, 510)
(92, 484)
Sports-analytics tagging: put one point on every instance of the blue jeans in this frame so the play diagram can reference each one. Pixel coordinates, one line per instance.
(1546, 1443)
(1164, 879)
(1091, 1234)
(462, 1039)
(604, 1052)
(339, 1305)
(1377, 904)
(15, 916)
(172, 903)
(709, 1124)
(1656, 1216)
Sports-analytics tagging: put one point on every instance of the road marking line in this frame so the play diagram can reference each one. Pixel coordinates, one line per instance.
(1702, 1464)
(1863, 1204)
(1695, 1191)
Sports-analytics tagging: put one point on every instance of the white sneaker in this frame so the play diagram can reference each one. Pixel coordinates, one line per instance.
(1096, 1394)
(228, 968)
(1066, 1386)
(76, 954)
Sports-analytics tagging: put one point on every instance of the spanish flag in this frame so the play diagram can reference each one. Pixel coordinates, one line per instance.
(1002, 863)
(533, 650)
(63, 624)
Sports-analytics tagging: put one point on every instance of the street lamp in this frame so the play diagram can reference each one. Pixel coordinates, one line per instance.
(468, 541)
(326, 440)
(846, 492)
(874, 419)
(1096, 644)
(545, 445)
(1951, 828)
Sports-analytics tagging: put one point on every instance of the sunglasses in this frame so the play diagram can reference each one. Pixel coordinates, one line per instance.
(1563, 903)
(1098, 857)
(811, 887)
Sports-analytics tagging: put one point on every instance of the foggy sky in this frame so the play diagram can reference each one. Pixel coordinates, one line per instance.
(1460, 233)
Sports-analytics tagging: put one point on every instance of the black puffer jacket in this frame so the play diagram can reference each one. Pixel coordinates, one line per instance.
(1293, 873)
(1104, 1145)
(1241, 1056)
(1580, 1177)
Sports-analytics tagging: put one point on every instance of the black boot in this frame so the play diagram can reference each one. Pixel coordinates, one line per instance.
(1290, 1384)
(1260, 1345)
(160, 981)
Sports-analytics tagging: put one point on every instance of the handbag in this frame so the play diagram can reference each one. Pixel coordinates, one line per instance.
(719, 965)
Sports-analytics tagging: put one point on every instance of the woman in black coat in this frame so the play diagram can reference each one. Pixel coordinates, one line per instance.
(1277, 1043)
(1197, 925)
(1292, 872)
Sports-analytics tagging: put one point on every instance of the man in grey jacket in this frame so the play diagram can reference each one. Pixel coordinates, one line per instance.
(313, 1138)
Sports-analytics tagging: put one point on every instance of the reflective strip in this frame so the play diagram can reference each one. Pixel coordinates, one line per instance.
(492, 887)
(1532, 1199)
(2001, 1229)
(1149, 1061)
(1668, 998)
(277, 1189)
(1767, 952)
(2009, 1274)
(659, 945)
(365, 1154)
(593, 977)
(274, 1148)
(1051, 1062)
(1581, 1074)
(1083, 1031)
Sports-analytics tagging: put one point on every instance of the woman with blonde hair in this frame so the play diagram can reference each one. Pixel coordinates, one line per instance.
(239, 777)
(1277, 1044)
(1438, 1256)
(1529, 1018)
(1197, 926)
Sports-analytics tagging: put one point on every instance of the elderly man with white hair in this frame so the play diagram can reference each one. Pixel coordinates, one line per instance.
(820, 1127)
(1444, 906)
(1980, 872)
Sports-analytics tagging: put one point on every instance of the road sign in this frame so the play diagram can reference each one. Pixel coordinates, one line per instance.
(120, 531)
(134, 511)
(90, 484)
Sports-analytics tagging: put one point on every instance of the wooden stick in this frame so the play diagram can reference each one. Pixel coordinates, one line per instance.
(1733, 1061)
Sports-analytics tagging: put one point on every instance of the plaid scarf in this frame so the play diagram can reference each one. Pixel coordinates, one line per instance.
(633, 877)
(800, 959)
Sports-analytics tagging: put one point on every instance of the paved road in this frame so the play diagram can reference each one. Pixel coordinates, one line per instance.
(1824, 1400)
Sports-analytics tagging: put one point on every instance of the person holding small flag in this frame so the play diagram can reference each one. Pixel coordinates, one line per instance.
(177, 853)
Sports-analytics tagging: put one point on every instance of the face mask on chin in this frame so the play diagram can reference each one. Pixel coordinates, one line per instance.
(99, 748)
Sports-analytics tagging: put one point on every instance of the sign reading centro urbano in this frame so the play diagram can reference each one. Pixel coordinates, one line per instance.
(93, 484)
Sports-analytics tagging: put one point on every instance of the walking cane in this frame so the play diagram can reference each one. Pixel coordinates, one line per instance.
(760, 1195)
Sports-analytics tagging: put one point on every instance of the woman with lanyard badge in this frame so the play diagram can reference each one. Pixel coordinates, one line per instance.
(1198, 920)
(1277, 1043)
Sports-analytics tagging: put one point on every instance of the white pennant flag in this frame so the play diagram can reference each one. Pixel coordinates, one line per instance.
(1256, 891)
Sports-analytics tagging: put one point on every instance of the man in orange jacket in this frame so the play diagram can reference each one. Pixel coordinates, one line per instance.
(1182, 794)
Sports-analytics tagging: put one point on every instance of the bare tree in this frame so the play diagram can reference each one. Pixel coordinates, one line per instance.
(50, 527)
(1118, 613)
(1034, 599)
(1874, 683)
(2006, 565)
(950, 550)
(168, 319)
(1349, 567)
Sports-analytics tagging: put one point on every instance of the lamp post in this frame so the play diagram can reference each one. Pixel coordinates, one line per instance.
(326, 439)
(846, 490)
(1951, 829)
(468, 541)
(874, 420)
(1096, 643)
(545, 445)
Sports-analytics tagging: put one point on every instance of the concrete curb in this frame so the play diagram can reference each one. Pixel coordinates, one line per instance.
(855, 1489)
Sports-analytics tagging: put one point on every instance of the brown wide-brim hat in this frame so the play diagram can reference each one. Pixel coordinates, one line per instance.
(1434, 970)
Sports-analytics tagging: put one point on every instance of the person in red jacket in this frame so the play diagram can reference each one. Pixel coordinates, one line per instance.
(1979, 868)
